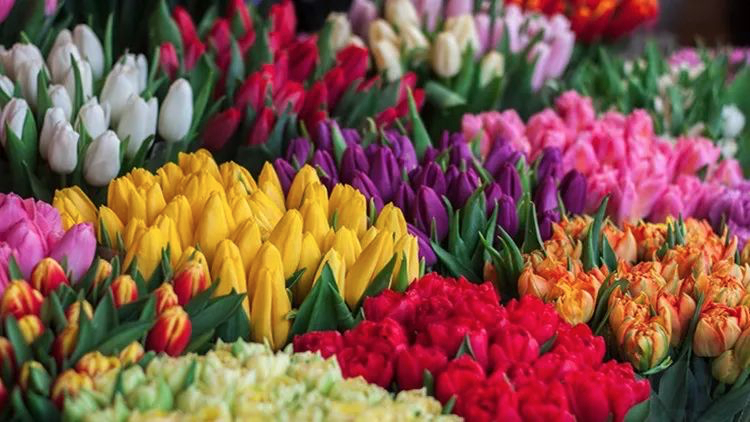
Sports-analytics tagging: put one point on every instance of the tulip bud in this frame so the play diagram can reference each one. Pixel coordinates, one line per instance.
(380, 30)
(388, 59)
(132, 353)
(645, 344)
(73, 313)
(446, 55)
(60, 99)
(269, 183)
(68, 384)
(47, 276)
(189, 281)
(34, 378)
(19, 53)
(94, 364)
(171, 333)
(124, 290)
(406, 248)
(309, 260)
(350, 207)
(102, 161)
(304, 177)
(94, 118)
(90, 48)
(270, 307)
(63, 149)
(60, 60)
(191, 254)
(168, 59)
(315, 221)
(372, 259)
(414, 39)
(391, 219)
(247, 238)
(573, 192)
(725, 368)
(165, 298)
(348, 246)
(228, 268)
(87, 81)
(401, 13)
(341, 30)
(52, 118)
(742, 349)
(176, 112)
(287, 237)
(31, 327)
(717, 331)
(465, 31)
(214, 225)
(6, 353)
(13, 118)
(138, 122)
(121, 82)
(20, 299)
(28, 73)
(491, 67)
(6, 85)
(103, 271)
(147, 247)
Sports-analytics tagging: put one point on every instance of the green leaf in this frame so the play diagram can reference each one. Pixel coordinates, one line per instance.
(448, 408)
(455, 267)
(339, 144)
(381, 282)
(124, 335)
(78, 90)
(43, 101)
(532, 239)
(547, 345)
(591, 253)
(21, 412)
(294, 278)
(323, 308)
(41, 408)
(639, 412)
(428, 381)
(108, 44)
(85, 342)
(218, 311)
(105, 318)
(419, 132)
(441, 96)
(21, 350)
(13, 271)
(199, 301)
(325, 49)
(465, 348)
(402, 279)
(236, 72)
(234, 328)
(608, 255)
(199, 344)
(673, 387)
(162, 28)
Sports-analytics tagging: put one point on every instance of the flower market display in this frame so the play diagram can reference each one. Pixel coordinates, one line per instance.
(417, 210)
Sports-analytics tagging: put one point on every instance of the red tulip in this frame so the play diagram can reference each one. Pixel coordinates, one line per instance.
(374, 366)
(191, 279)
(68, 384)
(328, 343)
(292, 93)
(220, 36)
(460, 375)
(194, 49)
(336, 84)
(254, 90)
(124, 290)
(47, 276)
(185, 24)
(171, 333)
(280, 71)
(264, 122)
(386, 117)
(303, 57)
(20, 299)
(412, 362)
(630, 14)
(165, 298)
(283, 24)
(3, 395)
(168, 59)
(353, 61)
(316, 99)
(239, 8)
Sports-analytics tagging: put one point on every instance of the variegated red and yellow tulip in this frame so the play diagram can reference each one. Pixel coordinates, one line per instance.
(132, 353)
(31, 327)
(95, 363)
(171, 332)
(20, 299)
(65, 342)
(165, 298)
(69, 383)
(73, 313)
(47, 276)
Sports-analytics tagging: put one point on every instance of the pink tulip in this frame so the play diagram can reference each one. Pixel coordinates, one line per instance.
(581, 156)
(648, 192)
(5, 7)
(12, 210)
(482, 23)
(458, 8)
(692, 192)
(509, 126)
(575, 110)
(546, 129)
(669, 204)
(692, 155)
(361, 14)
(639, 127)
(29, 246)
(728, 172)
(471, 126)
(5, 253)
(539, 55)
(49, 7)
(561, 43)
(77, 247)
(430, 11)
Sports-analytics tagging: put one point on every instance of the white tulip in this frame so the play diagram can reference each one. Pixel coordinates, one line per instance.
(176, 112)
(63, 37)
(13, 118)
(401, 12)
(59, 60)
(87, 81)
(138, 122)
(465, 31)
(446, 55)
(121, 83)
(18, 54)
(90, 48)
(141, 64)
(341, 30)
(93, 117)
(26, 77)
(413, 38)
(387, 59)
(63, 149)
(102, 161)
(6, 85)
(52, 117)
(60, 98)
(732, 121)
(380, 30)
(491, 67)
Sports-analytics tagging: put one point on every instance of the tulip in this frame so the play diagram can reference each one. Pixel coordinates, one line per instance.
(406, 248)
(138, 122)
(385, 173)
(52, 117)
(717, 331)
(121, 82)
(491, 67)
(431, 175)
(190, 279)
(465, 31)
(335, 259)
(573, 192)
(13, 118)
(387, 59)
(287, 237)
(63, 149)
(19, 53)
(354, 159)
(77, 247)
(220, 127)
(168, 59)
(365, 185)
(370, 262)
(270, 308)
(341, 31)
(430, 210)
(509, 180)
(87, 82)
(298, 151)
(742, 349)
(61, 58)
(458, 8)
(326, 166)
(31, 327)
(165, 298)
(462, 187)
(47, 276)
(103, 271)
(124, 290)
(414, 39)
(446, 55)
(34, 378)
(60, 99)
(94, 118)
(68, 384)
(726, 368)
(350, 208)
(90, 48)
(732, 121)
(361, 14)
(168, 229)
(309, 261)
(315, 221)
(645, 344)
(6, 85)
(545, 195)
(94, 364)
(65, 342)
(391, 219)
(20, 299)
(131, 354)
(101, 163)
(171, 333)
(214, 224)
(73, 313)
(268, 182)
(73, 203)
(304, 177)
(28, 73)
(228, 268)
(176, 112)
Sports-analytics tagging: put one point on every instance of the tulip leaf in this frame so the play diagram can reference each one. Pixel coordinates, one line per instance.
(41, 408)
(609, 258)
(236, 71)
(201, 343)
(402, 279)
(201, 76)
(78, 87)
(199, 301)
(85, 341)
(673, 388)
(532, 239)
(339, 144)
(21, 350)
(43, 101)
(591, 254)
(13, 271)
(146, 359)
(441, 96)
(639, 412)
(162, 28)
(465, 348)
(4, 98)
(467, 75)
(547, 345)
(20, 412)
(294, 278)
(323, 308)
(448, 407)
(118, 339)
(453, 265)
(419, 132)
(108, 44)
(234, 328)
(602, 299)
(216, 312)
(52, 311)
(428, 381)
(129, 311)
(325, 48)
(148, 312)
(260, 53)
(105, 318)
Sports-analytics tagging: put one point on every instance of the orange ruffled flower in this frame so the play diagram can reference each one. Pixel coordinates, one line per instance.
(717, 330)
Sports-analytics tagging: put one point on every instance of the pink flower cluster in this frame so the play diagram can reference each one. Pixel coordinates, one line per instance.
(647, 176)
(32, 230)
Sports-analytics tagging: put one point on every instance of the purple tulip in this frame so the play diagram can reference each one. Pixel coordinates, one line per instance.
(492, 194)
(458, 8)
(298, 151)
(425, 249)
(77, 248)
(509, 180)
(285, 171)
(550, 164)
(733, 207)
(462, 187)
(545, 195)
(361, 14)
(546, 219)
(351, 136)
(363, 184)
(324, 140)
(502, 152)
(431, 175)
(430, 11)
(430, 154)
(451, 174)
(322, 160)
(404, 199)
(403, 149)
(429, 209)
(354, 159)
(385, 173)
(507, 215)
(573, 192)
(5, 7)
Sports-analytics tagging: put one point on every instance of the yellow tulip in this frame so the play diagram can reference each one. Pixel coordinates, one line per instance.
(287, 237)
(351, 208)
(137, 207)
(178, 209)
(270, 308)
(304, 177)
(197, 188)
(198, 161)
(155, 202)
(267, 257)
(318, 193)
(346, 244)
(247, 238)
(147, 249)
(328, 240)
(314, 221)
(265, 212)
(170, 177)
(392, 219)
(109, 221)
(133, 230)
(369, 236)
(76, 205)
(213, 225)
(237, 201)
(228, 269)
(190, 254)
(169, 229)
(268, 182)
(118, 196)
(338, 268)
(309, 262)
(233, 174)
(408, 247)
(372, 259)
